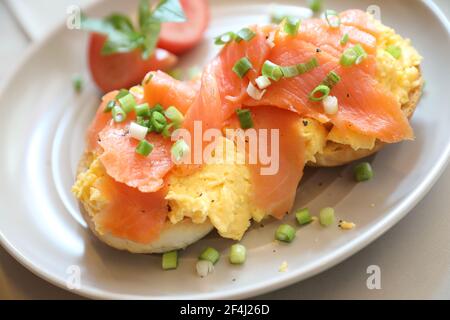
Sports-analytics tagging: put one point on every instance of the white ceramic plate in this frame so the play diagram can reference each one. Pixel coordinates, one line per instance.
(43, 125)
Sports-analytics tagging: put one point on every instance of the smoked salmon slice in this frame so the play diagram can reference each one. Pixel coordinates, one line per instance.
(122, 163)
(131, 214)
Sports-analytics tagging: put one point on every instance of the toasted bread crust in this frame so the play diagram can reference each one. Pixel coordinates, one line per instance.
(337, 154)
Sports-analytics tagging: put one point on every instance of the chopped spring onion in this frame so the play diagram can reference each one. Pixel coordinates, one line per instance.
(158, 121)
(315, 5)
(262, 82)
(77, 82)
(363, 172)
(326, 217)
(204, 267)
(394, 51)
(291, 25)
(174, 115)
(245, 118)
(142, 110)
(122, 93)
(308, 66)
(128, 103)
(142, 121)
(179, 150)
(245, 34)
(238, 254)
(254, 92)
(225, 38)
(159, 108)
(118, 114)
(210, 254)
(344, 39)
(323, 92)
(137, 131)
(332, 79)
(303, 216)
(360, 52)
(109, 106)
(332, 18)
(290, 71)
(170, 260)
(285, 233)
(167, 130)
(330, 105)
(348, 58)
(272, 71)
(242, 66)
(144, 148)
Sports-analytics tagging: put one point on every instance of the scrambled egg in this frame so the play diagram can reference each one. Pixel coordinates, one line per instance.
(220, 191)
(398, 76)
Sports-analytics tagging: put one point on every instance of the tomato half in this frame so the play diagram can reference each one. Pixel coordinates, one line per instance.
(123, 70)
(180, 37)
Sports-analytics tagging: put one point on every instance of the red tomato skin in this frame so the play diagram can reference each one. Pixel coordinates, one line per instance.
(179, 38)
(123, 70)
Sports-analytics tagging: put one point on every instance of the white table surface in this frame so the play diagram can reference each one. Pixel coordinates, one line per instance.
(414, 256)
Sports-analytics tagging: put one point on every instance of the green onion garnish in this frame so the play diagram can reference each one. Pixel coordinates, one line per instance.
(242, 66)
(348, 58)
(179, 150)
(210, 254)
(77, 82)
(290, 71)
(303, 216)
(237, 254)
(109, 106)
(315, 5)
(360, 52)
(142, 110)
(363, 172)
(245, 34)
(122, 93)
(395, 51)
(144, 148)
(158, 121)
(308, 66)
(323, 92)
(166, 133)
(157, 107)
(332, 18)
(225, 38)
(331, 80)
(291, 25)
(142, 121)
(285, 233)
(271, 71)
(118, 114)
(326, 217)
(245, 118)
(174, 115)
(170, 260)
(127, 102)
(344, 39)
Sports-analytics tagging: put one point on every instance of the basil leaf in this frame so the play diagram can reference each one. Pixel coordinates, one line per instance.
(144, 13)
(120, 22)
(150, 32)
(169, 11)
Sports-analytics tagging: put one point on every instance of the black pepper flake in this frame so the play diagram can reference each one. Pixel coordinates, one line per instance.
(201, 193)
(318, 50)
(169, 208)
(262, 226)
(348, 95)
(274, 250)
(212, 200)
(234, 279)
(305, 123)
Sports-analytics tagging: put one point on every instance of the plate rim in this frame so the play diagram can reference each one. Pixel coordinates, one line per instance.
(269, 285)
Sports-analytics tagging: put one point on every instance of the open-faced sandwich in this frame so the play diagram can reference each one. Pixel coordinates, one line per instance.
(335, 89)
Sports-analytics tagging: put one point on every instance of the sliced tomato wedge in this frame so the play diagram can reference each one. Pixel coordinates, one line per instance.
(123, 70)
(180, 37)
